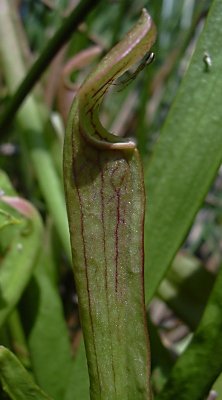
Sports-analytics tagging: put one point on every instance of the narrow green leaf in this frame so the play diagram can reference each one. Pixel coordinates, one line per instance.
(47, 333)
(198, 367)
(78, 385)
(18, 264)
(105, 201)
(187, 155)
(15, 380)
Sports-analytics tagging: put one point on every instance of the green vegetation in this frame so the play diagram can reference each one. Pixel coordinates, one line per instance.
(171, 108)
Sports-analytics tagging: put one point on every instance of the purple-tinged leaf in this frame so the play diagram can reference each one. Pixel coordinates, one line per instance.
(105, 200)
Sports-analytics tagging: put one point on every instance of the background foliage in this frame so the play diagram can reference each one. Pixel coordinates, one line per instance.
(173, 109)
